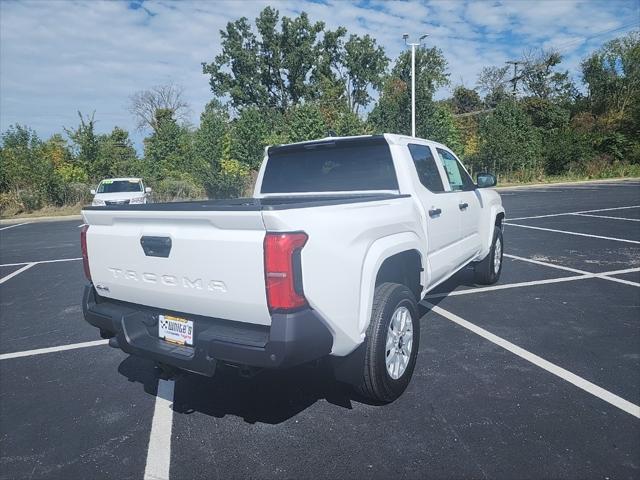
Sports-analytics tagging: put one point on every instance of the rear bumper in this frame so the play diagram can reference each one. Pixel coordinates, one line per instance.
(291, 339)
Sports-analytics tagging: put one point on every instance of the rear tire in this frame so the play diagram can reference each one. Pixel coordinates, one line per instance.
(392, 343)
(488, 270)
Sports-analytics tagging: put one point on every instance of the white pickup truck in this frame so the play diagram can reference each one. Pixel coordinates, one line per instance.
(329, 258)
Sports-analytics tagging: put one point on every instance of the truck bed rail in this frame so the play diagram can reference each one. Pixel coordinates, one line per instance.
(255, 204)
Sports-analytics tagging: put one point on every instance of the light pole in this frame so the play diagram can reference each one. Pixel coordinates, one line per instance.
(413, 78)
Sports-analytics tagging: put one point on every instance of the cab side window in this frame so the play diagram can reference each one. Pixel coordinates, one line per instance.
(459, 179)
(426, 167)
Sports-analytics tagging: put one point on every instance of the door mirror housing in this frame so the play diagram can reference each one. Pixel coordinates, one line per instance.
(486, 180)
(93, 191)
(147, 190)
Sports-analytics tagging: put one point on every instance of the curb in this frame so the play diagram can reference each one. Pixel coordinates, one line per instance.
(13, 221)
(579, 182)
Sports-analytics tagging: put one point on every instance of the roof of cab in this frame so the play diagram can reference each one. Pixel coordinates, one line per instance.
(391, 138)
(397, 139)
(122, 179)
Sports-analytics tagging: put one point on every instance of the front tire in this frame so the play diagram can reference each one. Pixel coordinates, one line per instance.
(392, 342)
(488, 270)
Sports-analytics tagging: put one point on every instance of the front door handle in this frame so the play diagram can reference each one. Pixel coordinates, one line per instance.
(463, 206)
(434, 212)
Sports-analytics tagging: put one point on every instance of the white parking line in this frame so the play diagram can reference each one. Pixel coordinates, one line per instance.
(41, 261)
(602, 275)
(572, 213)
(572, 378)
(12, 226)
(545, 264)
(159, 452)
(573, 233)
(506, 286)
(607, 217)
(605, 276)
(17, 272)
(60, 348)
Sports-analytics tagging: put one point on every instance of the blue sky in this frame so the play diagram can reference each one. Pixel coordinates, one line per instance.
(58, 57)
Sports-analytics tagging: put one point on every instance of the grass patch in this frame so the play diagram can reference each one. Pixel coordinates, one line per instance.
(48, 211)
(620, 171)
(560, 179)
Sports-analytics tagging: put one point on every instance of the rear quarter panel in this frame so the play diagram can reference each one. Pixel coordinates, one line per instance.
(339, 260)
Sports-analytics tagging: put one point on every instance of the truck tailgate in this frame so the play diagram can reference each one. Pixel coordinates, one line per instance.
(214, 266)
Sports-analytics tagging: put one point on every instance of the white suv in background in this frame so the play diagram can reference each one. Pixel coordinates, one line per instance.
(120, 191)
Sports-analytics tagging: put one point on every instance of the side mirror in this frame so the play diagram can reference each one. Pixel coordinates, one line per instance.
(485, 180)
(93, 191)
(147, 190)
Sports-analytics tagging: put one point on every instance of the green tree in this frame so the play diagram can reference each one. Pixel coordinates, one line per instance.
(545, 113)
(21, 162)
(465, 100)
(272, 70)
(348, 123)
(56, 150)
(117, 156)
(209, 138)
(492, 82)
(84, 141)
(364, 66)
(350, 69)
(392, 113)
(305, 122)
(509, 143)
(328, 75)
(300, 46)
(168, 151)
(562, 148)
(25, 170)
(541, 79)
(249, 133)
(237, 71)
(294, 60)
(436, 123)
(612, 76)
(211, 141)
(468, 131)
(566, 150)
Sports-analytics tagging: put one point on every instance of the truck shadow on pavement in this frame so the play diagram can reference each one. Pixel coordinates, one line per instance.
(271, 396)
(463, 278)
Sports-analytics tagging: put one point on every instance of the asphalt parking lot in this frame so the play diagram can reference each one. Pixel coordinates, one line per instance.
(535, 377)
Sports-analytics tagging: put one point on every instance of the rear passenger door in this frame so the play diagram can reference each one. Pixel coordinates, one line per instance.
(441, 213)
(469, 205)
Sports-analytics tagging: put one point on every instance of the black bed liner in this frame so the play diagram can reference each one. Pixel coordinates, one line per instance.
(255, 204)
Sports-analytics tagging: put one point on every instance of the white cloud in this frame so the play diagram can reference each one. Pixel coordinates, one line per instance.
(490, 15)
(60, 57)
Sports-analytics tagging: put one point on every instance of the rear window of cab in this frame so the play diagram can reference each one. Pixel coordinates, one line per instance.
(340, 166)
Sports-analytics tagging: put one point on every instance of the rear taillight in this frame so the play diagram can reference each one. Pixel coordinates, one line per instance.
(85, 257)
(283, 271)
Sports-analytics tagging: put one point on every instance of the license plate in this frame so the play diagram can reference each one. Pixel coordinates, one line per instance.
(175, 330)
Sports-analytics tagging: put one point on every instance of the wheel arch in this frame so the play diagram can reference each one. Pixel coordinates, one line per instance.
(404, 268)
(391, 259)
(496, 219)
